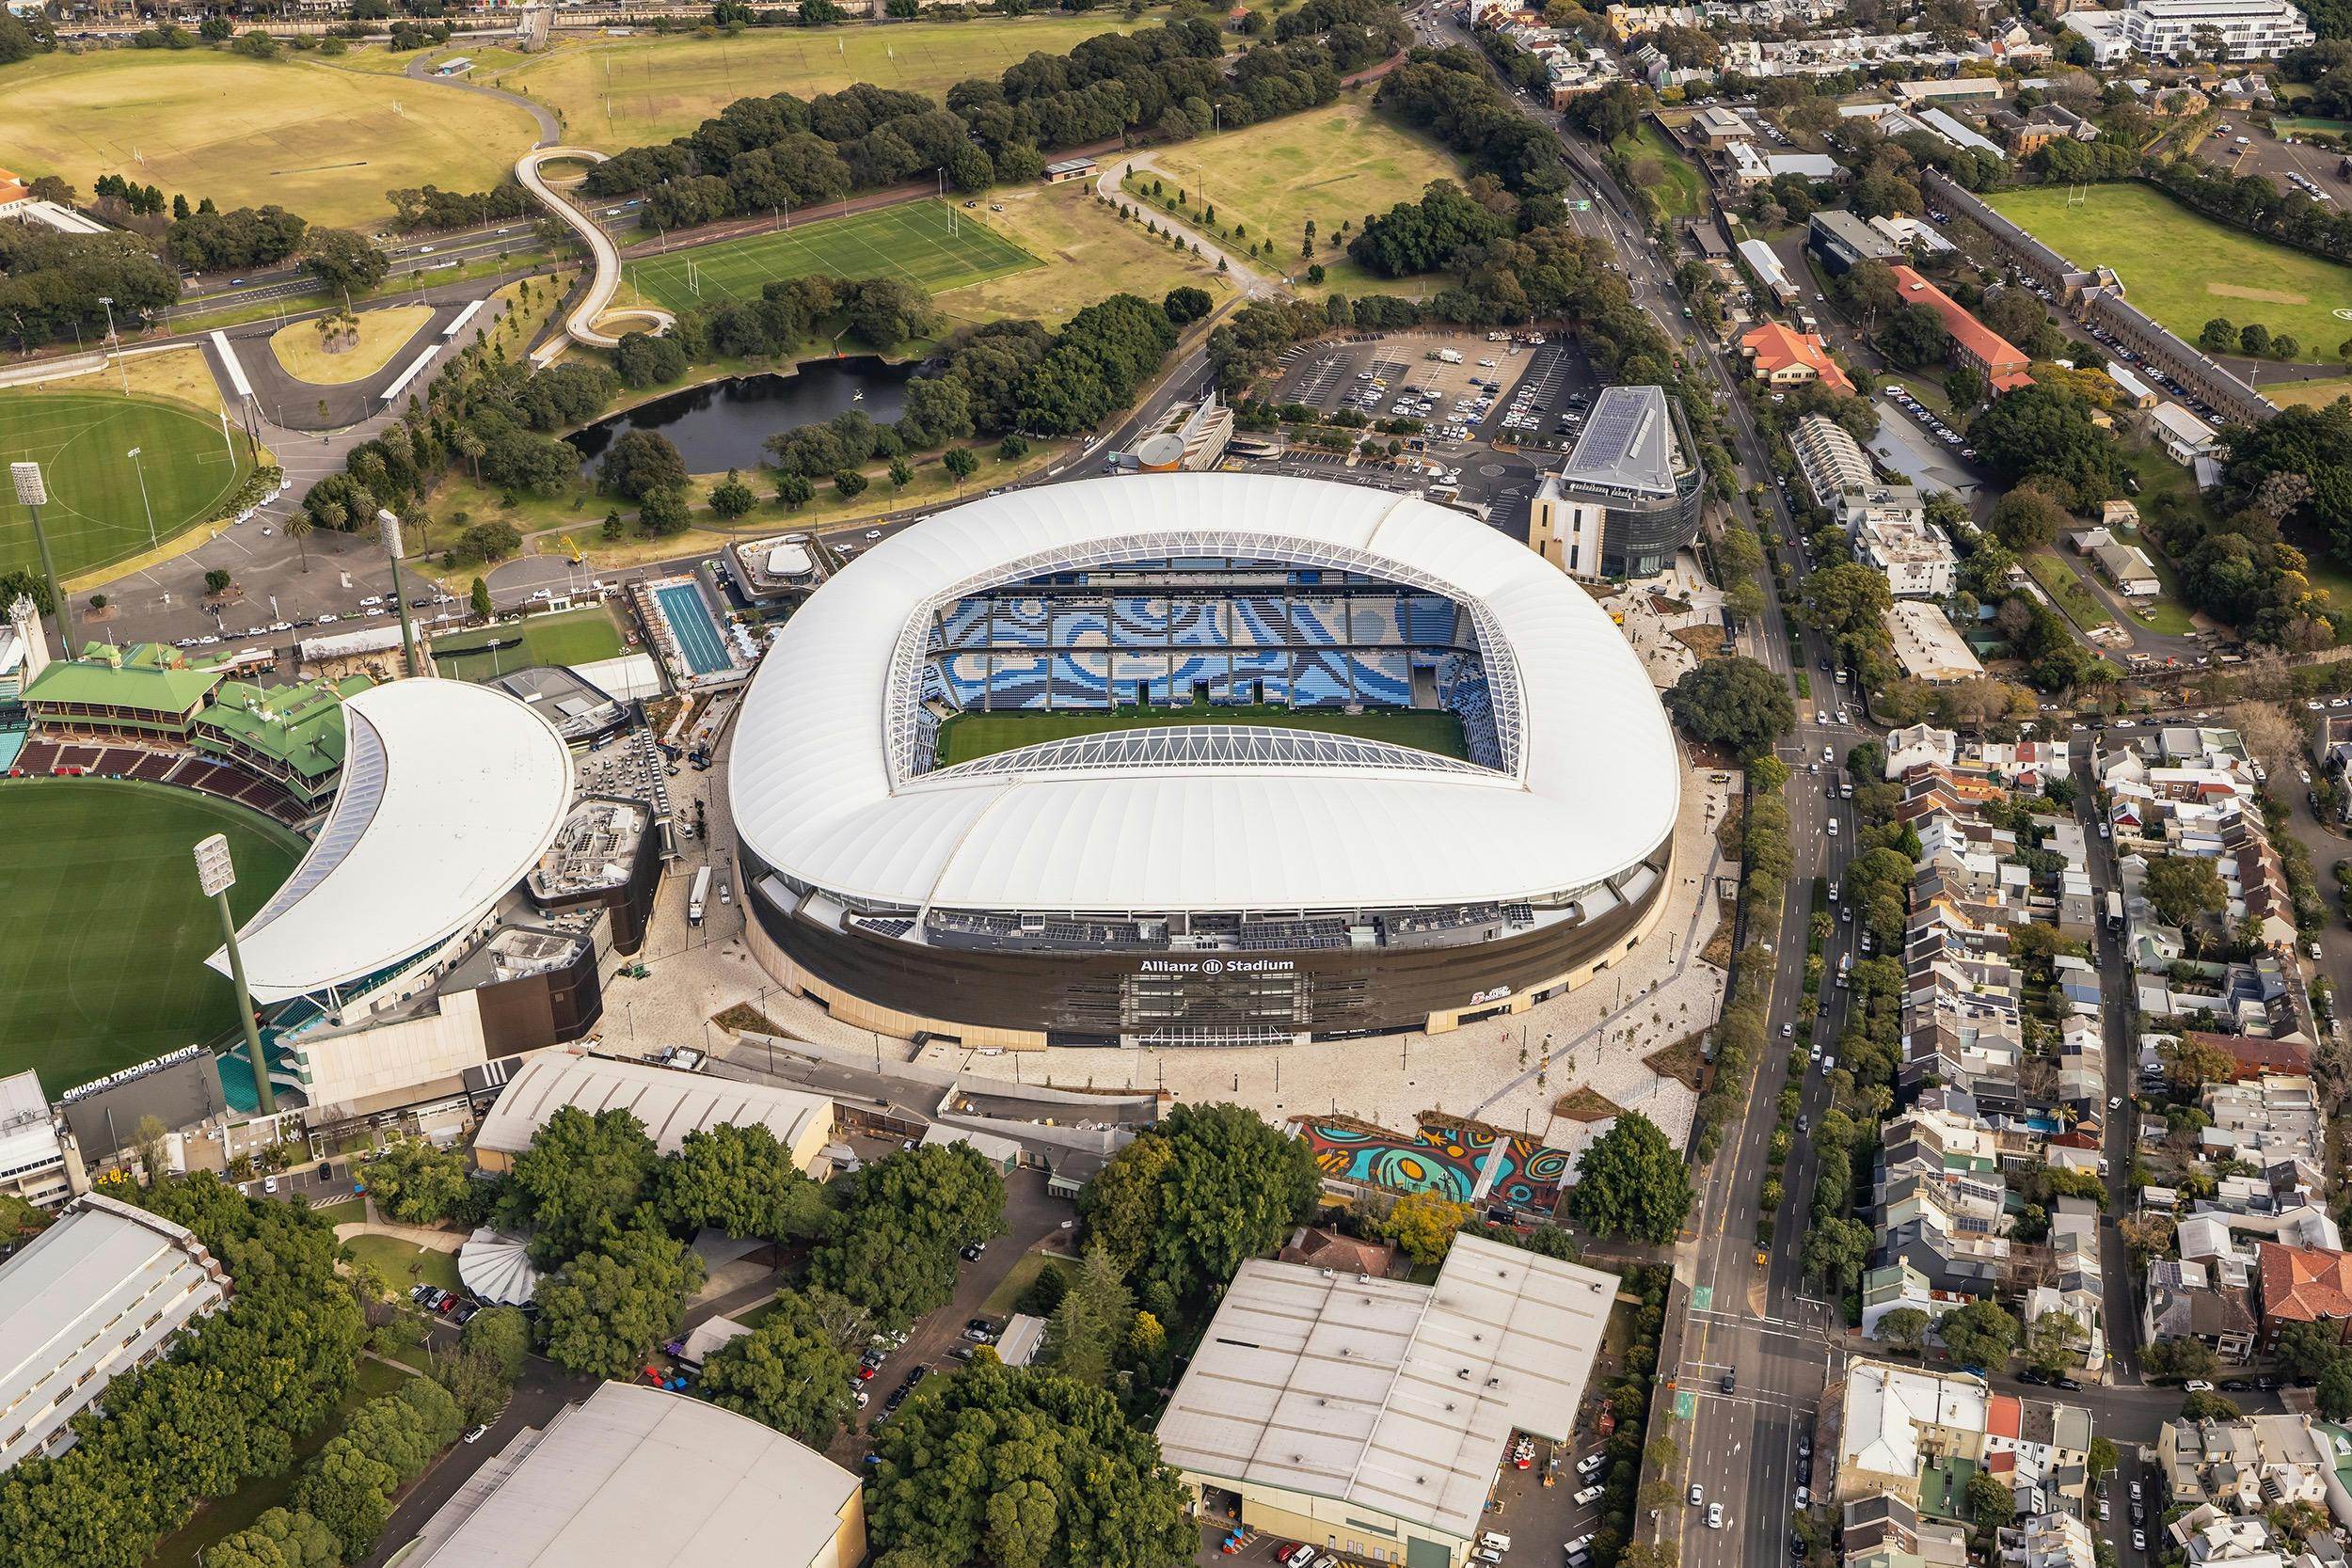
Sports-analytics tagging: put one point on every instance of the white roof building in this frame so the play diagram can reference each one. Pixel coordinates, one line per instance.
(831, 784)
(642, 1477)
(1886, 1407)
(450, 792)
(99, 1293)
(669, 1101)
(1927, 646)
(32, 1157)
(497, 1268)
(1348, 1398)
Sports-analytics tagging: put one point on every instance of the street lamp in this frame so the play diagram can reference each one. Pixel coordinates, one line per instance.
(32, 493)
(217, 874)
(140, 469)
(109, 301)
(388, 525)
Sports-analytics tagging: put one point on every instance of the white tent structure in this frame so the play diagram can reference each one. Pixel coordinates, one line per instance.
(497, 1268)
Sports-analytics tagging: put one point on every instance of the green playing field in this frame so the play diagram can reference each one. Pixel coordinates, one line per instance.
(923, 243)
(977, 734)
(96, 514)
(105, 933)
(573, 637)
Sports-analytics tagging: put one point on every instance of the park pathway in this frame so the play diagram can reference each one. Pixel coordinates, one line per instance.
(1246, 276)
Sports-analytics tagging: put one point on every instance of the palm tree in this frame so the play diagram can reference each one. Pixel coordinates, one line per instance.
(469, 447)
(298, 530)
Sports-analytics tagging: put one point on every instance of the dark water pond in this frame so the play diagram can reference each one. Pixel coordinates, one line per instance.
(726, 424)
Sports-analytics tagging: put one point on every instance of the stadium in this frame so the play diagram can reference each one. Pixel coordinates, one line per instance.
(1215, 803)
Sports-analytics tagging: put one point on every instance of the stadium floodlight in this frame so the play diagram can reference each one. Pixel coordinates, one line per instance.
(32, 493)
(31, 490)
(215, 873)
(388, 527)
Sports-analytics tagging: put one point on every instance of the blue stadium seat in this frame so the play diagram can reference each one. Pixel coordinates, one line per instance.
(1428, 620)
(964, 625)
(1021, 623)
(966, 679)
(1139, 622)
(1020, 680)
(1320, 680)
(1373, 622)
(1081, 628)
(1081, 680)
(1382, 679)
(1319, 622)
(1197, 623)
(1260, 622)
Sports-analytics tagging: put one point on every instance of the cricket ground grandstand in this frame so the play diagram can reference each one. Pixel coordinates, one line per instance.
(1259, 759)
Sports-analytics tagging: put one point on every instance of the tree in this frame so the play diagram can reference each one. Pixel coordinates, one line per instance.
(218, 580)
(2027, 518)
(1913, 336)
(2189, 1065)
(1187, 1201)
(642, 359)
(1850, 600)
(1733, 703)
(731, 498)
(1183, 306)
(741, 1180)
(2255, 338)
(481, 597)
(893, 1253)
(1630, 1182)
(640, 463)
(415, 1181)
(2209, 1407)
(1990, 1501)
(581, 1176)
(960, 463)
(2335, 1391)
(1424, 1224)
(2182, 887)
(1905, 1327)
(475, 1380)
(787, 1373)
(279, 1539)
(851, 483)
(1981, 1334)
(2048, 431)
(1091, 1322)
(2052, 1340)
(501, 1333)
(150, 1137)
(1023, 1469)
(1835, 1248)
(342, 260)
(900, 474)
(609, 1308)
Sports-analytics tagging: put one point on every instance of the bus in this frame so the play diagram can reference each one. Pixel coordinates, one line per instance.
(700, 897)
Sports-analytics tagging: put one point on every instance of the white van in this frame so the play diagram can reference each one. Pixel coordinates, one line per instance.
(1500, 1542)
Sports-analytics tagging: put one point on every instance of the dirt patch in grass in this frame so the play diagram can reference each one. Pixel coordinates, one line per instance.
(744, 1018)
(1682, 1061)
(1586, 1103)
(1718, 948)
(1706, 642)
(1727, 832)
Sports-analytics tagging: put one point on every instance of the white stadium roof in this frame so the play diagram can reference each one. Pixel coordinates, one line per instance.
(827, 785)
(449, 792)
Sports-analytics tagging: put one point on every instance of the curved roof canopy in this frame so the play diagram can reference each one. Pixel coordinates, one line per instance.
(829, 784)
(449, 792)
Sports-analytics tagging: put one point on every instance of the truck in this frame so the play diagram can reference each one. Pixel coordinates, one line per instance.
(1446, 355)
(699, 897)
(2115, 912)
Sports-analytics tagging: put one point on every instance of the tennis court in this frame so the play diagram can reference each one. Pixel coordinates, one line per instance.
(923, 243)
(699, 641)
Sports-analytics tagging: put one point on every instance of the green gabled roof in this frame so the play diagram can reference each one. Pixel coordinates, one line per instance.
(150, 677)
(301, 726)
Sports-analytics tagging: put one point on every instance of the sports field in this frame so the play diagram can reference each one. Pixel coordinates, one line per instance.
(924, 243)
(614, 93)
(1334, 164)
(573, 637)
(103, 934)
(95, 514)
(1087, 254)
(318, 141)
(2185, 269)
(977, 734)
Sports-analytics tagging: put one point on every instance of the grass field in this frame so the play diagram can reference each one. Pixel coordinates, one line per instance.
(1664, 171)
(2293, 124)
(914, 243)
(613, 93)
(405, 1263)
(1335, 164)
(382, 333)
(2308, 394)
(318, 141)
(95, 513)
(1087, 251)
(977, 734)
(2075, 597)
(2185, 269)
(103, 934)
(573, 637)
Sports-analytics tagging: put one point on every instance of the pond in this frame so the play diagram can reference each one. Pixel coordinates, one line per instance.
(726, 424)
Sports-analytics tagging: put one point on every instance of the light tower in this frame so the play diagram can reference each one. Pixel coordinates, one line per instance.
(388, 525)
(32, 493)
(215, 874)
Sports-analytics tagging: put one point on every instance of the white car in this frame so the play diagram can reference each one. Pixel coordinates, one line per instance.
(2196, 1385)
(1698, 1493)
(1714, 1515)
(1589, 1494)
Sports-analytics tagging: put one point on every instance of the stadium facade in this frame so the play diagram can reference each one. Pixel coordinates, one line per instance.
(1196, 880)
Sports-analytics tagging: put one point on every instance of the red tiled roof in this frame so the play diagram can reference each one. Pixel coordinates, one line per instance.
(1775, 347)
(2004, 1415)
(1327, 1249)
(2305, 1283)
(2256, 1056)
(1970, 333)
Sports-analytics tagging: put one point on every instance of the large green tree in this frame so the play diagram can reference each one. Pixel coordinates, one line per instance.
(1020, 1468)
(1733, 703)
(789, 1372)
(2182, 887)
(1906, 1328)
(741, 1180)
(501, 1333)
(580, 1180)
(1979, 1334)
(893, 1251)
(1096, 1313)
(1186, 1202)
(609, 1308)
(279, 1539)
(1630, 1182)
(415, 1181)
(2047, 432)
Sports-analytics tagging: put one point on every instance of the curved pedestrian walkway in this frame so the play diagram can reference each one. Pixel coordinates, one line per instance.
(550, 131)
(1252, 283)
(581, 326)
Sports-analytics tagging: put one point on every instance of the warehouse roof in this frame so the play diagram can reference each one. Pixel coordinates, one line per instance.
(670, 1101)
(641, 1478)
(1394, 1396)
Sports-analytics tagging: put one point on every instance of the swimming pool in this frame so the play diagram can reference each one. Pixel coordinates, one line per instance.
(699, 641)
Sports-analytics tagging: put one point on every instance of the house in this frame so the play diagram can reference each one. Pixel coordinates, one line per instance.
(2128, 567)
(2250, 29)
(1920, 746)
(2036, 128)
(1973, 344)
(1784, 357)
(15, 194)
(2184, 437)
(1829, 460)
(1764, 263)
(1844, 242)
(1069, 170)
(1927, 646)
(2186, 1300)
(1891, 534)
(1329, 1249)
(1715, 128)
(2107, 32)
(2302, 1284)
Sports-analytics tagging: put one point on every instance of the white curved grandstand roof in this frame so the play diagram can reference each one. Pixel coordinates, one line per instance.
(449, 792)
(827, 783)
